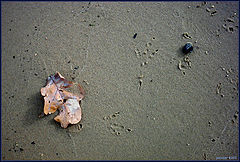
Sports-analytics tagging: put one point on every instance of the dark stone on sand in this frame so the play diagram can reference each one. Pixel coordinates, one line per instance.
(135, 35)
(75, 68)
(187, 48)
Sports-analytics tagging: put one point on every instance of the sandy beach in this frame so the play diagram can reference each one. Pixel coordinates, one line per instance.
(145, 99)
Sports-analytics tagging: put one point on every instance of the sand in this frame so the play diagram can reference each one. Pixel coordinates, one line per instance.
(140, 103)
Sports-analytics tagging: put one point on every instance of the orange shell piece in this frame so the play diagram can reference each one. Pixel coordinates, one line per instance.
(56, 97)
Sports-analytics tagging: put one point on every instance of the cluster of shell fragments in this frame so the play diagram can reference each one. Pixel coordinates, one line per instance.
(56, 97)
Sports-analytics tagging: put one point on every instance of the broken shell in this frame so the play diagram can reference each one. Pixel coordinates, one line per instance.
(52, 94)
(140, 76)
(208, 10)
(230, 20)
(213, 13)
(186, 35)
(86, 82)
(56, 97)
(70, 114)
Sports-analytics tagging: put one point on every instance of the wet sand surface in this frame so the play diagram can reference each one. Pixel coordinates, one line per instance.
(145, 100)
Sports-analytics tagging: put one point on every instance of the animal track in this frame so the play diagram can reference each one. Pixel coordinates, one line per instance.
(112, 116)
(75, 128)
(115, 128)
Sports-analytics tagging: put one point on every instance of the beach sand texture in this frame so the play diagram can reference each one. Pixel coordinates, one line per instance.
(145, 99)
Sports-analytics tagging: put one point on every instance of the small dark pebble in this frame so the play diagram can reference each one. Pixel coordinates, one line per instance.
(14, 57)
(213, 13)
(33, 143)
(44, 68)
(151, 80)
(187, 48)
(76, 67)
(69, 61)
(135, 35)
(236, 115)
(213, 140)
(36, 74)
(56, 153)
(230, 29)
(9, 149)
(129, 130)
(27, 35)
(21, 149)
(15, 131)
(10, 29)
